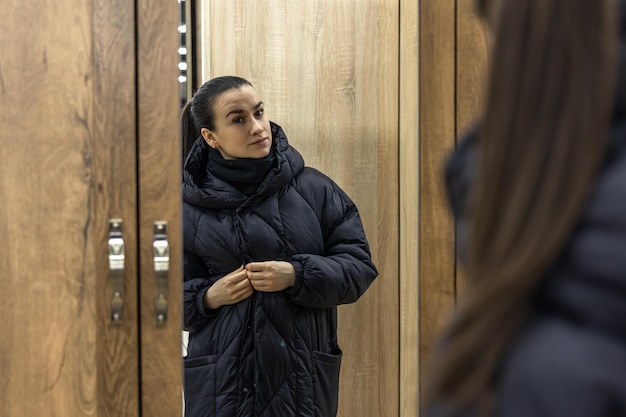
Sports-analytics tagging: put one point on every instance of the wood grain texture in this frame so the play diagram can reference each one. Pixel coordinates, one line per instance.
(472, 46)
(409, 208)
(328, 72)
(45, 183)
(159, 200)
(437, 127)
(67, 116)
(115, 159)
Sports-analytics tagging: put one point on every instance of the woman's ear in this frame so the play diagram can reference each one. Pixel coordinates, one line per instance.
(208, 137)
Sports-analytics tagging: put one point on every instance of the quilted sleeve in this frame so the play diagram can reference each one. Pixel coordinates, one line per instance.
(195, 280)
(345, 270)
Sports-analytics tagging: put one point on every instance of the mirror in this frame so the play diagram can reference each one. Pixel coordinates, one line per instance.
(328, 73)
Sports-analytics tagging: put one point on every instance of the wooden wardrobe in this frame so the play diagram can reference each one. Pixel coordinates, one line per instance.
(90, 267)
(371, 92)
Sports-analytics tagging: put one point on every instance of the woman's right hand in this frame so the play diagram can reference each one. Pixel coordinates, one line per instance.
(229, 289)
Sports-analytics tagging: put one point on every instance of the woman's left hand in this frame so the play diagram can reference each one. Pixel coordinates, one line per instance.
(271, 276)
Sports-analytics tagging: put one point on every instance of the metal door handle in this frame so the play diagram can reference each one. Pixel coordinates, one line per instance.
(116, 269)
(161, 249)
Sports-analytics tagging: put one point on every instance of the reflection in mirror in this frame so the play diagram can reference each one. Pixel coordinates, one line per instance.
(328, 74)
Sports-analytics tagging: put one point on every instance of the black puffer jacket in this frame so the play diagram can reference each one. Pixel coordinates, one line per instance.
(273, 354)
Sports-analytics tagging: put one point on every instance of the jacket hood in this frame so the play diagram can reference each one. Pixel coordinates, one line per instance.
(203, 189)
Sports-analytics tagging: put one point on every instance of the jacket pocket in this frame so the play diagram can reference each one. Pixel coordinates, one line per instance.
(199, 386)
(326, 382)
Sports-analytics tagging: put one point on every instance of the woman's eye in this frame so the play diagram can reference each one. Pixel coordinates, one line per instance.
(238, 120)
(260, 112)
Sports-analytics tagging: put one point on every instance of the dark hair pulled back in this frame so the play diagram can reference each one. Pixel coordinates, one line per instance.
(198, 112)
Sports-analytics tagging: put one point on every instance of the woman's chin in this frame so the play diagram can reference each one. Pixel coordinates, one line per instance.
(260, 151)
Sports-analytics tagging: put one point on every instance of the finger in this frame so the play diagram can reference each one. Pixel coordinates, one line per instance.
(238, 270)
(245, 293)
(241, 291)
(255, 276)
(244, 282)
(240, 276)
(256, 266)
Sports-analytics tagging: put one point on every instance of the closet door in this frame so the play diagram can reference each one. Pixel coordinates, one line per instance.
(68, 166)
(89, 174)
(159, 208)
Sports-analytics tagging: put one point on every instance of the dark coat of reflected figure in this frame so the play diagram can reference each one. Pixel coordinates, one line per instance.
(273, 350)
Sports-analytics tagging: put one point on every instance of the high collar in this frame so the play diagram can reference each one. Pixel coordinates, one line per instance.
(204, 189)
(244, 173)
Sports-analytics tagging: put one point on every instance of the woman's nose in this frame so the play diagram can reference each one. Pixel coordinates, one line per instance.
(257, 126)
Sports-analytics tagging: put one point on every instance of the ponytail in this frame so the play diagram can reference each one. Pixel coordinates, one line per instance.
(198, 112)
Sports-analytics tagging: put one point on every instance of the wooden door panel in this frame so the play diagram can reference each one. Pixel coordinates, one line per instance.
(45, 216)
(409, 208)
(328, 72)
(115, 186)
(437, 126)
(472, 45)
(66, 166)
(159, 201)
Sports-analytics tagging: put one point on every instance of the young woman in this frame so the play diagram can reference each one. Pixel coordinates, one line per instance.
(539, 192)
(271, 247)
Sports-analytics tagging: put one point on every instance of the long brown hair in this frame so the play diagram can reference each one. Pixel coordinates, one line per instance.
(540, 143)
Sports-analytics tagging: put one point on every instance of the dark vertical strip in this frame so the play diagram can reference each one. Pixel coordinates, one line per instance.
(140, 238)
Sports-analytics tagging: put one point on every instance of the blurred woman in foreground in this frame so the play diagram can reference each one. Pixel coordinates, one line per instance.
(538, 189)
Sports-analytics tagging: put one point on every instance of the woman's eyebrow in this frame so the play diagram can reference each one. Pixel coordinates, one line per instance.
(239, 111)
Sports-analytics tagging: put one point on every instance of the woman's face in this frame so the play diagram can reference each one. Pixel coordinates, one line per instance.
(241, 128)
